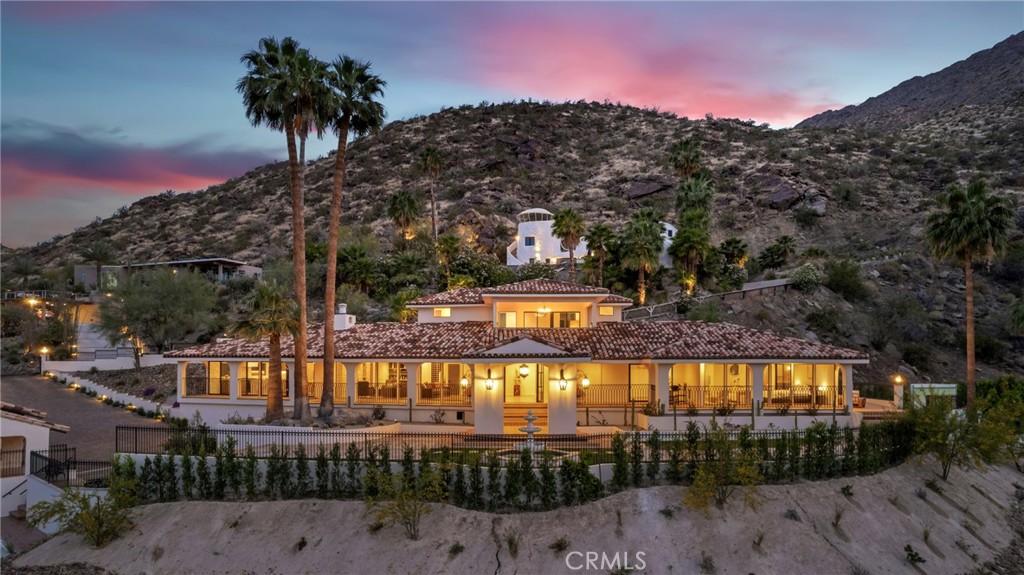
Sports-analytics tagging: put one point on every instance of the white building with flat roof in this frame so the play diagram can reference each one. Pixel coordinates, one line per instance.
(536, 242)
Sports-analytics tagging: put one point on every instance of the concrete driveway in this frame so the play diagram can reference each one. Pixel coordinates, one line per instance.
(92, 423)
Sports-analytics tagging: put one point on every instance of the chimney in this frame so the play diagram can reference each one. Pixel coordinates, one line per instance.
(342, 319)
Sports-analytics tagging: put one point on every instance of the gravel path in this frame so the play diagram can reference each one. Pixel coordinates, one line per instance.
(92, 423)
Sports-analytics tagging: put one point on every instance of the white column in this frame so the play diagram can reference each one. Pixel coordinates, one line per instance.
(488, 404)
(593, 314)
(182, 383)
(848, 386)
(661, 390)
(757, 370)
(233, 368)
(350, 383)
(290, 384)
(562, 402)
(412, 375)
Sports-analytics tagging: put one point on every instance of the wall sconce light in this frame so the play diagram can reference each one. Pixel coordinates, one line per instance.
(524, 370)
(464, 382)
(897, 379)
(489, 383)
(562, 383)
(582, 378)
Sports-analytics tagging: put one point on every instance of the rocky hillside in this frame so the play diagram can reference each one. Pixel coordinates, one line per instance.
(846, 191)
(992, 79)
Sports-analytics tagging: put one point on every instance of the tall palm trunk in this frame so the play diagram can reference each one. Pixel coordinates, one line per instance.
(433, 210)
(301, 411)
(327, 396)
(969, 283)
(99, 270)
(642, 287)
(572, 265)
(275, 404)
(600, 270)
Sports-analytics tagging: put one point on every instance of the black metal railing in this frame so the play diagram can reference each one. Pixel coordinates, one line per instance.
(442, 394)
(61, 467)
(12, 462)
(369, 393)
(613, 395)
(770, 444)
(256, 388)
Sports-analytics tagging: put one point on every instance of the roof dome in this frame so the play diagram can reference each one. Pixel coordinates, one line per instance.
(535, 215)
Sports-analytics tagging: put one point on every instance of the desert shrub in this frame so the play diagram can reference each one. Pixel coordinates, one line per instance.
(843, 277)
(98, 520)
(404, 505)
(806, 278)
(708, 311)
(718, 478)
(917, 355)
(806, 218)
(970, 439)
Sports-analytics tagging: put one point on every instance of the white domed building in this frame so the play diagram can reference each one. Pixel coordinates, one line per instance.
(536, 243)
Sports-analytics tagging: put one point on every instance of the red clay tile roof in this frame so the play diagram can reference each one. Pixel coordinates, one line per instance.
(29, 415)
(685, 340)
(464, 296)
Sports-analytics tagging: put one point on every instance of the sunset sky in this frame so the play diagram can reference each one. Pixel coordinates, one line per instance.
(105, 103)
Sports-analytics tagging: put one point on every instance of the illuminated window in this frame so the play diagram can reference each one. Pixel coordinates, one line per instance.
(442, 312)
(605, 310)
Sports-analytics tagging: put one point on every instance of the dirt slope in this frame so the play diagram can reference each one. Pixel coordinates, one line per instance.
(883, 515)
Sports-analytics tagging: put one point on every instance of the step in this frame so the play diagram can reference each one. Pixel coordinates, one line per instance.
(20, 513)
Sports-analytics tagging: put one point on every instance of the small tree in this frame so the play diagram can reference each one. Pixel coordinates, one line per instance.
(157, 308)
(727, 470)
(98, 520)
(407, 505)
(965, 439)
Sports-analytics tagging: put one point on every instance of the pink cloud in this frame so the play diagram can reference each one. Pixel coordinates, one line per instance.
(634, 59)
(21, 181)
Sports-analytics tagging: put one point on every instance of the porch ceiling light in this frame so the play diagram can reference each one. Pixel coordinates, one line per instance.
(562, 383)
(524, 370)
(582, 378)
(544, 310)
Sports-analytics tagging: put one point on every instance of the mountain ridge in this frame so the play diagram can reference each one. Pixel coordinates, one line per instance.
(994, 76)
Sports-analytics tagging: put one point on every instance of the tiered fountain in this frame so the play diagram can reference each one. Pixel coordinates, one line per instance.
(529, 430)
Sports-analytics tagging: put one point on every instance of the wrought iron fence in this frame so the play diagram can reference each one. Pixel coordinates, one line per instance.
(60, 466)
(598, 448)
(613, 395)
(12, 462)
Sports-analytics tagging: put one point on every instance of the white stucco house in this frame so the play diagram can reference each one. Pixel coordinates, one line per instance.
(22, 431)
(535, 242)
(488, 355)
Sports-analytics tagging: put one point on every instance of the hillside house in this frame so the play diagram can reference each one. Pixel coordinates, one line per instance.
(562, 350)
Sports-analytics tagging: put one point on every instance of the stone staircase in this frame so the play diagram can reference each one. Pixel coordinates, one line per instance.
(19, 513)
(515, 412)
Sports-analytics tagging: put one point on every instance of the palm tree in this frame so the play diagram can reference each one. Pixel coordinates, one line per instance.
(448, 248)
(278, 93)
(690, 247)
(971, 225)
(431, 163)
(270, 314)
(569, 227)
(641, 247)
(99, 253)
(694, 193)
(353, 109)
(685, 158)
(599, 242)
(403, 209)
(786, 247)
(735, 251)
